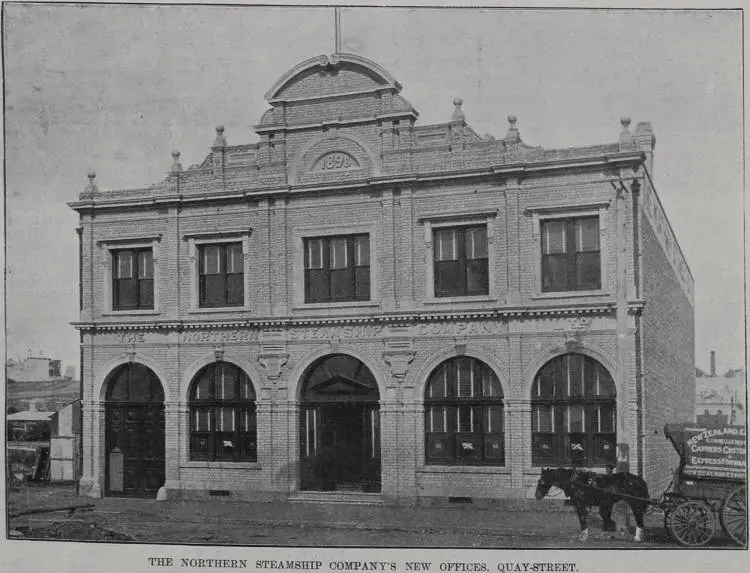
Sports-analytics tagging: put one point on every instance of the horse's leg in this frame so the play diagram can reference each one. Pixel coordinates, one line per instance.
(638, 510)
(605, 511)
(582, 512)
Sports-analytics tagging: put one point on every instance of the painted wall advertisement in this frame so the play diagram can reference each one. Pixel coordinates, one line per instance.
(716, 452)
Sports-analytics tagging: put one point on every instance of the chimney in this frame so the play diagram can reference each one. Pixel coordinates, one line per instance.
(713, 364)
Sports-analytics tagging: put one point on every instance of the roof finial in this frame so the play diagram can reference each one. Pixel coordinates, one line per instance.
(220, 141)
(626, 138)
(512, 132)
(91, 189)
(458, 113)
(176, 165)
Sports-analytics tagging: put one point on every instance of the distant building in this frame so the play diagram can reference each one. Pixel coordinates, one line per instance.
(33, 369)
(721, 400)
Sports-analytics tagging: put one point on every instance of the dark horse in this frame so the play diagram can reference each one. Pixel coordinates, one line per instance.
(586, 489)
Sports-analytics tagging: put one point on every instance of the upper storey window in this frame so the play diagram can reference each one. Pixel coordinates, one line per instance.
(337, 268)
(133, 279)
(461, 262)
(221, 275)
(571, 254)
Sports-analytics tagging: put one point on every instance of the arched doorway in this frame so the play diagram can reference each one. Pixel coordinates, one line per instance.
(339, 426)
(134, 432)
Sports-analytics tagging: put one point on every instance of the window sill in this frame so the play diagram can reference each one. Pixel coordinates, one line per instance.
(463, 469)
(460, 299)
(221, 465)
(571, 294)
(145, 312)
(329, 305)
(218, 309)
(535, 470)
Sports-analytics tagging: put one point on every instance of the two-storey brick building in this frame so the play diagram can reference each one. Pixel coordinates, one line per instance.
(360, 304)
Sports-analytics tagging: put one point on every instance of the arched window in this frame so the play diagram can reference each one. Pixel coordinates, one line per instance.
(464, 419)
(222, 414)
(573, 413)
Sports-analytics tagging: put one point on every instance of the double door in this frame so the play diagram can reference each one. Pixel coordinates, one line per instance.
(340, 447)
(135, 456)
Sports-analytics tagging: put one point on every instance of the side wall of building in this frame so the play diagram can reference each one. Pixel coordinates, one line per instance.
(668, 342)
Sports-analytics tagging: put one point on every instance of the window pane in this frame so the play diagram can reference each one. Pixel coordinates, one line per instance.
(605, 384)
(235, 290)
(146, 293)
(588, 270)
(445, 246)
(213, 290)
(436, 419)
(438, 384)
(542, 418)
(553, 237)
(448, 279)
(554, 273)
(317, 286)
(201, 420)
(544, 385)
(225, 419)
(235, 263)
(123, 264)
(491, 387)
(342, 284)
(247, 391)
(246, 420)
(494, 423)
(314, 254)
(362, 250)
(126, 293)
(476, 242)
(338, 253)
(226, 377)
(211, 260)
(362, 282)
(463, 378)
(573, 418)
(574, 382)
(605, 419)
(145, 265)
(587, 234)
(477, 277)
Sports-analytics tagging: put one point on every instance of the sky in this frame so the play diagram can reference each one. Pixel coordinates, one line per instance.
(116, 89)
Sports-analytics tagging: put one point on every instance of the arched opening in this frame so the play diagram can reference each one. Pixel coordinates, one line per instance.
(134, 432)
(222, 415)
(339, 426)
(464, 414)
(573, 413)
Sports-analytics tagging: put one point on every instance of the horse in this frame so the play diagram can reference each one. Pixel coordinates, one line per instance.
(586, 489)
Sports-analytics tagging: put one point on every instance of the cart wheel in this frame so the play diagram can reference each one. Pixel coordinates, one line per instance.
(734, 515)
(692, 523)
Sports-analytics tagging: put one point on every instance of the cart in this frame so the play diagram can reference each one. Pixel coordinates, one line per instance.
(710, 485)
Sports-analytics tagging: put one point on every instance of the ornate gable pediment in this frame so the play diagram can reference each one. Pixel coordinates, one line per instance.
(333, 158)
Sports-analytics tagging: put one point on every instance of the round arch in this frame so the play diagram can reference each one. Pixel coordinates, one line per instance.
(383, 77)
(296, 163)
(548, 354)
(297, 376)
(209, 358)
(100, 386)
(423, 375)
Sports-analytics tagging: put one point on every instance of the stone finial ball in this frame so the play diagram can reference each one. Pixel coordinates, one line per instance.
(92, 175)
(625, 121)
(175, 154)
(457, 101)
(512, 119)
(219, 129)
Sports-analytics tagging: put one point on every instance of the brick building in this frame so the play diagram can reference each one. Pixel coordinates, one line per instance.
(358, 305)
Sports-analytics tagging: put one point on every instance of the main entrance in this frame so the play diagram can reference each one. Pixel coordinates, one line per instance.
(339, 426)
(134, 432)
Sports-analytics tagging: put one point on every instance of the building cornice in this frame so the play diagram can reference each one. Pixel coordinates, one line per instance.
(517, 170)
(517, 313)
